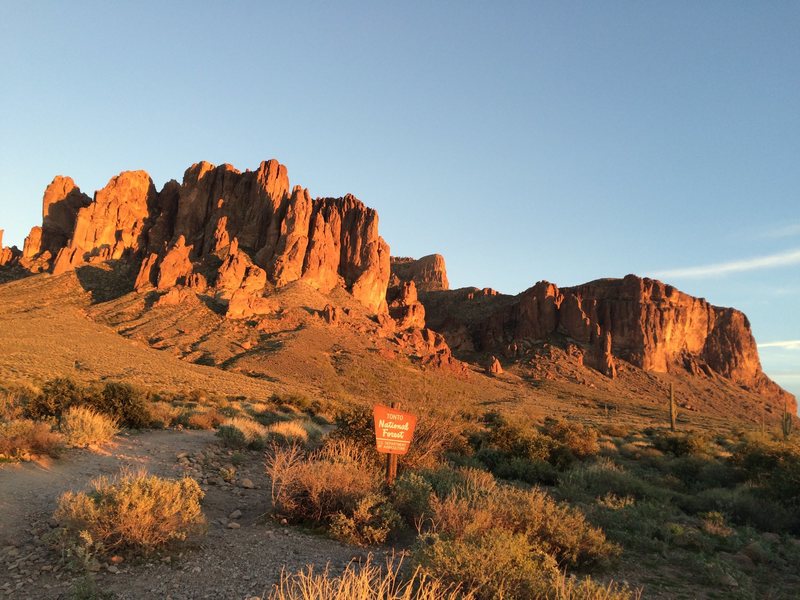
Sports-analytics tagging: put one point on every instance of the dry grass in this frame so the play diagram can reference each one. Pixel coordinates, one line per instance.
(251, 430)
(208, 419)
(365, 582)
(84, 427)
(164, 414)
(133, 511)
(22, 439)
(288, 431)
(317, 487)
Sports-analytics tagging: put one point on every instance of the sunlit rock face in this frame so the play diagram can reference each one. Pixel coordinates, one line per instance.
(217, 222)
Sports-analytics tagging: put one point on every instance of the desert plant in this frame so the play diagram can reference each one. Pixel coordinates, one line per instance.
(163, 414)
(208, 419)
(83, 427)
(25, 438)
(673, 408)
(238, 432)
(134, 511)
(365, 582)
(479, 505)
(370, 522)
(787, 422)
(56, 397)
(124, 403)
(498, 564)
(318, 486)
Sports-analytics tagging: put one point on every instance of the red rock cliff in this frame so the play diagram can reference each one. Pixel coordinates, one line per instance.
(191, 226)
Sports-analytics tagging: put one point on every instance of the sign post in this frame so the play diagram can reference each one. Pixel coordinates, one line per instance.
(394, 430)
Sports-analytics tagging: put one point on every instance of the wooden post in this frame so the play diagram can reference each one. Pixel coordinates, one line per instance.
(672, 412)
(391, 459)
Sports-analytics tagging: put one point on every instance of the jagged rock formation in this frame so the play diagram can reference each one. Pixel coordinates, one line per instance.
(7, 255)
(644, 322)
(246, 219)
(429, 273)
(404, 306)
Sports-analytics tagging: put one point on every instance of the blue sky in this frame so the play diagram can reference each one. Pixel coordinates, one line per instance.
(523, 140)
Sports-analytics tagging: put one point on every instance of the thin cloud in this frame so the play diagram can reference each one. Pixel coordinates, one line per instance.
(782, 259)
(785, 345)
(781, 232)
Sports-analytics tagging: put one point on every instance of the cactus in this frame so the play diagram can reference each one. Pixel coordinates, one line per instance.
(673, 408)
(787, 422)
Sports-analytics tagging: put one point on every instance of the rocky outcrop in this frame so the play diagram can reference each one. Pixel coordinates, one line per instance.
(404, 306)
(7, 255)
(216, 214)
(429, 273)
(60, 206)
(641, 321)
(493, 367)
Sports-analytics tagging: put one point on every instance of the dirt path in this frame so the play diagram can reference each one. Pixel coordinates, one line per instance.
(238, 558)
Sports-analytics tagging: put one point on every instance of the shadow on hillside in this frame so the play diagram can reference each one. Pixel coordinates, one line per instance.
(106, 282)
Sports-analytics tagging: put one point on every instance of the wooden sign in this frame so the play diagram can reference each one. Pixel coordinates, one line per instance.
(393, 429)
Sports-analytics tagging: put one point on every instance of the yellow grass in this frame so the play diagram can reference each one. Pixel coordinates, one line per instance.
(367, 582)
(83, 427)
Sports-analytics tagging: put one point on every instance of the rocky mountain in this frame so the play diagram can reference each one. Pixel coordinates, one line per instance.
(234, 239)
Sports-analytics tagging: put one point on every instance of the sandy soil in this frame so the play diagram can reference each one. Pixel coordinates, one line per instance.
(229, 562)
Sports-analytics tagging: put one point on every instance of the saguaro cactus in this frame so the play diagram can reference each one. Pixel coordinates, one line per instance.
(673, 408)
(787, 422)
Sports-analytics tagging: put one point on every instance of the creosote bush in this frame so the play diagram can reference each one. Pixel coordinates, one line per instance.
(133, 511)
(83, 427)
(25, 438)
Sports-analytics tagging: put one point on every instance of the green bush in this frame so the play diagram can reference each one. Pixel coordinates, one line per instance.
(57, 396)
(581, 441)
(411, 496)
(370, 523)
(124, 403)
(683, 444)
(499, 564)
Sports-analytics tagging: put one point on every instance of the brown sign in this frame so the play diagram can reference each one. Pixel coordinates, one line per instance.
(393, 429)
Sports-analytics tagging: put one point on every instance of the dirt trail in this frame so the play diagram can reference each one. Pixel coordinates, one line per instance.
(238, 558)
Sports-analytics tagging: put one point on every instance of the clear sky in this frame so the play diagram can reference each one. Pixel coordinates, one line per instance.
(523, 140)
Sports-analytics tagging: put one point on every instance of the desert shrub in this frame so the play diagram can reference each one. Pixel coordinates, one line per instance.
(24, 438)
(581, 441)
(602, 477)
(133, 511)
(240, 432)
(10, 407)
(371, 522)
(480, 504)
(124, 403)
(208, 419)
(163, 414)
(298, 401)
(56, 397)
(521, 443)
(499, 564)
(682, 444)
(528, 471)
(83, 427)
(365, 582)
(772, 468)
(743, 507)
(322, 484)
(301, 431)
(411, 496)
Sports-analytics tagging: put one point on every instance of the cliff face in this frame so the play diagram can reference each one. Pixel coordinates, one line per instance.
(428, 273)
(180, 234)
(641, 321)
